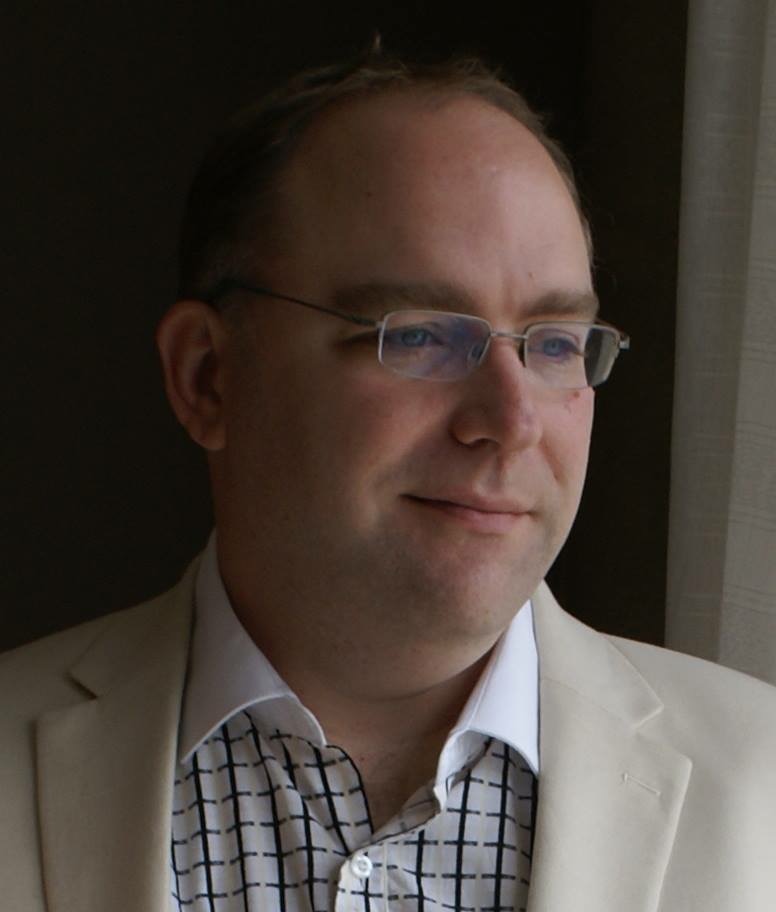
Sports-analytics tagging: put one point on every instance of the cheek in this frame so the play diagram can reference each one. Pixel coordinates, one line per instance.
(567, 436)
(381, 428)
(579, 407)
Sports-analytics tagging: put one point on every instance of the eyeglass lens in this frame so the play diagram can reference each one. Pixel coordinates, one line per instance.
(446, 346)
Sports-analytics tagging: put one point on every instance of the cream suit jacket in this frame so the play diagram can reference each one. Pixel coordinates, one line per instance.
(657, 788)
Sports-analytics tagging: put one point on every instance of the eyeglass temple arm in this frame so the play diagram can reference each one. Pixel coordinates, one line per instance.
(227, 285)
(623, 341)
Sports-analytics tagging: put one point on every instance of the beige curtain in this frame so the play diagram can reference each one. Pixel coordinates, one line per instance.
(722, 540)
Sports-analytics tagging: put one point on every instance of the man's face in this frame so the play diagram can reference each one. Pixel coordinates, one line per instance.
(433, 508)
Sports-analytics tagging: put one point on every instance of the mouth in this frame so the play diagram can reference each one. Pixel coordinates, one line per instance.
(480, 515)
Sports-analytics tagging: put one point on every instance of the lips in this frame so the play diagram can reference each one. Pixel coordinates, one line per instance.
(477, 503)
(489, 515)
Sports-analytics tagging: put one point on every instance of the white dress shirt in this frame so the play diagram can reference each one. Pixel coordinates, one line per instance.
(267, 814)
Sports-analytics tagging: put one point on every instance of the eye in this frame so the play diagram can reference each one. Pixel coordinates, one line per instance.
(558, 347)
(555, 346)
(415, 337)
(412, 337)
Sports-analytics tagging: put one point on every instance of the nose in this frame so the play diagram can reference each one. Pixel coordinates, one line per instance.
(499, 402)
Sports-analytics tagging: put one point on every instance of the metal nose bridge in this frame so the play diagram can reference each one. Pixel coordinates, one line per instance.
(503, 334)
(518, 338)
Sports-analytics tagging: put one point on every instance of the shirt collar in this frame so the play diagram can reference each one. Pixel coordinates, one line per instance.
(228, 673)
(505, 701)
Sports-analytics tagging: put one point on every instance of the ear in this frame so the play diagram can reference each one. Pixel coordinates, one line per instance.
(191, 339)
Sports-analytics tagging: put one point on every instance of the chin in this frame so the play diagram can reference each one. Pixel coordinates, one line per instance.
(479, 603)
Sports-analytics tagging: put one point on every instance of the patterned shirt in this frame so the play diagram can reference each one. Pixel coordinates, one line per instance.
(268, 815)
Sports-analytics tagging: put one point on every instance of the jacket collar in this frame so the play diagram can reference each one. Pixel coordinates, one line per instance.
(104, 766)
(610, 794)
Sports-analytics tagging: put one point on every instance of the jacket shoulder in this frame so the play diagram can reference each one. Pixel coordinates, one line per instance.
(716, 704)
(716, 716)
(35, 677)
(693, 671)
(54, 671)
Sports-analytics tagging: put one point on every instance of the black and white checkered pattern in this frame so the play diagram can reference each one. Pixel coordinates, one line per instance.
(271, 821)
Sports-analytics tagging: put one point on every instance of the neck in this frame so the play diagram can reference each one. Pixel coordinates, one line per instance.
(394, 743)
(389, 706)
(386, 681)
(350, 717)
(372, 690)
(347, 652)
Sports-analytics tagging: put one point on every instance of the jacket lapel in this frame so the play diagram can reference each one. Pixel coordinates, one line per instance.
(105, 766)
(610, 796)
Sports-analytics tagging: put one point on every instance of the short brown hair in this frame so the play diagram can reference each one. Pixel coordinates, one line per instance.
(230, 202)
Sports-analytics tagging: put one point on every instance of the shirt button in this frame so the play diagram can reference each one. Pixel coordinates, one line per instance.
(361, 866)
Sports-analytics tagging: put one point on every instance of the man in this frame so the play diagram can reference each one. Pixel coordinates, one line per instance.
(362, 696)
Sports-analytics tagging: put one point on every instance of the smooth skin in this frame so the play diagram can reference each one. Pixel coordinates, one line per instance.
(377, 533)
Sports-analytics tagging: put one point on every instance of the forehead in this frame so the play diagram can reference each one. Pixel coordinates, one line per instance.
(415, 186)
(410, 136)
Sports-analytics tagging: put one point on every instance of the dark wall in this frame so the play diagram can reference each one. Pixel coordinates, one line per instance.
(630, 166)
(107, 109)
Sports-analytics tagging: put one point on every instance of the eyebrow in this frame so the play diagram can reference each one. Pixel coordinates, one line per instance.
(566, 304)
(373, 298)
